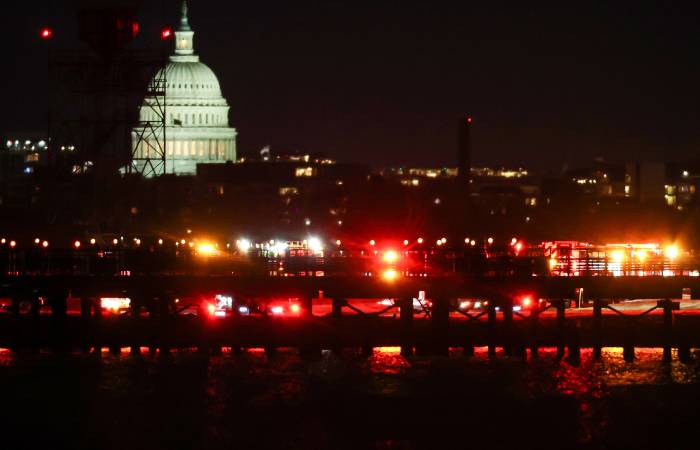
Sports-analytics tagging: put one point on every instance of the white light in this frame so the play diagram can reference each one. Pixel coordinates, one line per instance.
(224, 301)
(243, 310)
(243, 245)
(277, 310)
(115, 304)
(280, 248)
(315, 244)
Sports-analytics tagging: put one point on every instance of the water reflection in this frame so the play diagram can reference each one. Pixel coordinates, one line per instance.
(207, 400)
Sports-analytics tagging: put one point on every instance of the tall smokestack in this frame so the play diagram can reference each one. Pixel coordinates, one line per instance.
(464, 142)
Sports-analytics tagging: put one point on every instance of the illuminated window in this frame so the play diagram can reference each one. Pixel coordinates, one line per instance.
(285, 191)
(304, 172)
(411, 182)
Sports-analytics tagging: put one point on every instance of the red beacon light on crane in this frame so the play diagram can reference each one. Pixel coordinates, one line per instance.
(45, 33)
(166, 33)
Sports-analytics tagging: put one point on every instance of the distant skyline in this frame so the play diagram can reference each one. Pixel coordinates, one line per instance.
(386, 83)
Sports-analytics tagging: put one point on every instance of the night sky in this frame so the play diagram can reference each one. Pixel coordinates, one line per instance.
(385, 82)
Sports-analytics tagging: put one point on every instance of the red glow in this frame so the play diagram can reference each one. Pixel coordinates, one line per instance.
(469, 120)
(45, 33)
(211, 308)
(390, 256)
(527, 301)
(295, 308)
(166, 33)
(135, 28)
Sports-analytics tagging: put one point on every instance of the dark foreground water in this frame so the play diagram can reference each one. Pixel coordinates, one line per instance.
(250, 401)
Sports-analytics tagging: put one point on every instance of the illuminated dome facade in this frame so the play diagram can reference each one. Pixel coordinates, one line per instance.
(197, 128)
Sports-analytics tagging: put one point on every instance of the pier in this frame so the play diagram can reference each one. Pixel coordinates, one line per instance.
(333, 315)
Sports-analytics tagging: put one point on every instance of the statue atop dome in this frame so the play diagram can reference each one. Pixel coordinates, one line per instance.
(184, 20)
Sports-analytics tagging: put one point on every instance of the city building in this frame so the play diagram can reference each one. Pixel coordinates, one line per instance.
(196, 123)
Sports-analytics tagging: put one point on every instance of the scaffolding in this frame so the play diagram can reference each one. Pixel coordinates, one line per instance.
(94, 107)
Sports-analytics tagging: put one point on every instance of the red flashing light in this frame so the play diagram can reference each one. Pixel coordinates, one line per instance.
(390, 256)
(469, 120)
(135, 29)
(166, 33)
(45, 33)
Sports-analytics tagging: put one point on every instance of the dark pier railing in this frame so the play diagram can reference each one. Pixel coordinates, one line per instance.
(155, 320)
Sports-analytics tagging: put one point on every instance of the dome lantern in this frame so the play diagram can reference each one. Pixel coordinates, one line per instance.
(184, 38)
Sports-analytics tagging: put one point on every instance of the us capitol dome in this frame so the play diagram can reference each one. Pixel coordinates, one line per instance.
(197, 128)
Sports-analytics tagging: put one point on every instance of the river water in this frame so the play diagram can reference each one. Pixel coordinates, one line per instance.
(347, 401)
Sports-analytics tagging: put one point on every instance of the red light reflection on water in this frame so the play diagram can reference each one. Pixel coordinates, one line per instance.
(7, 357)
(388, 361)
